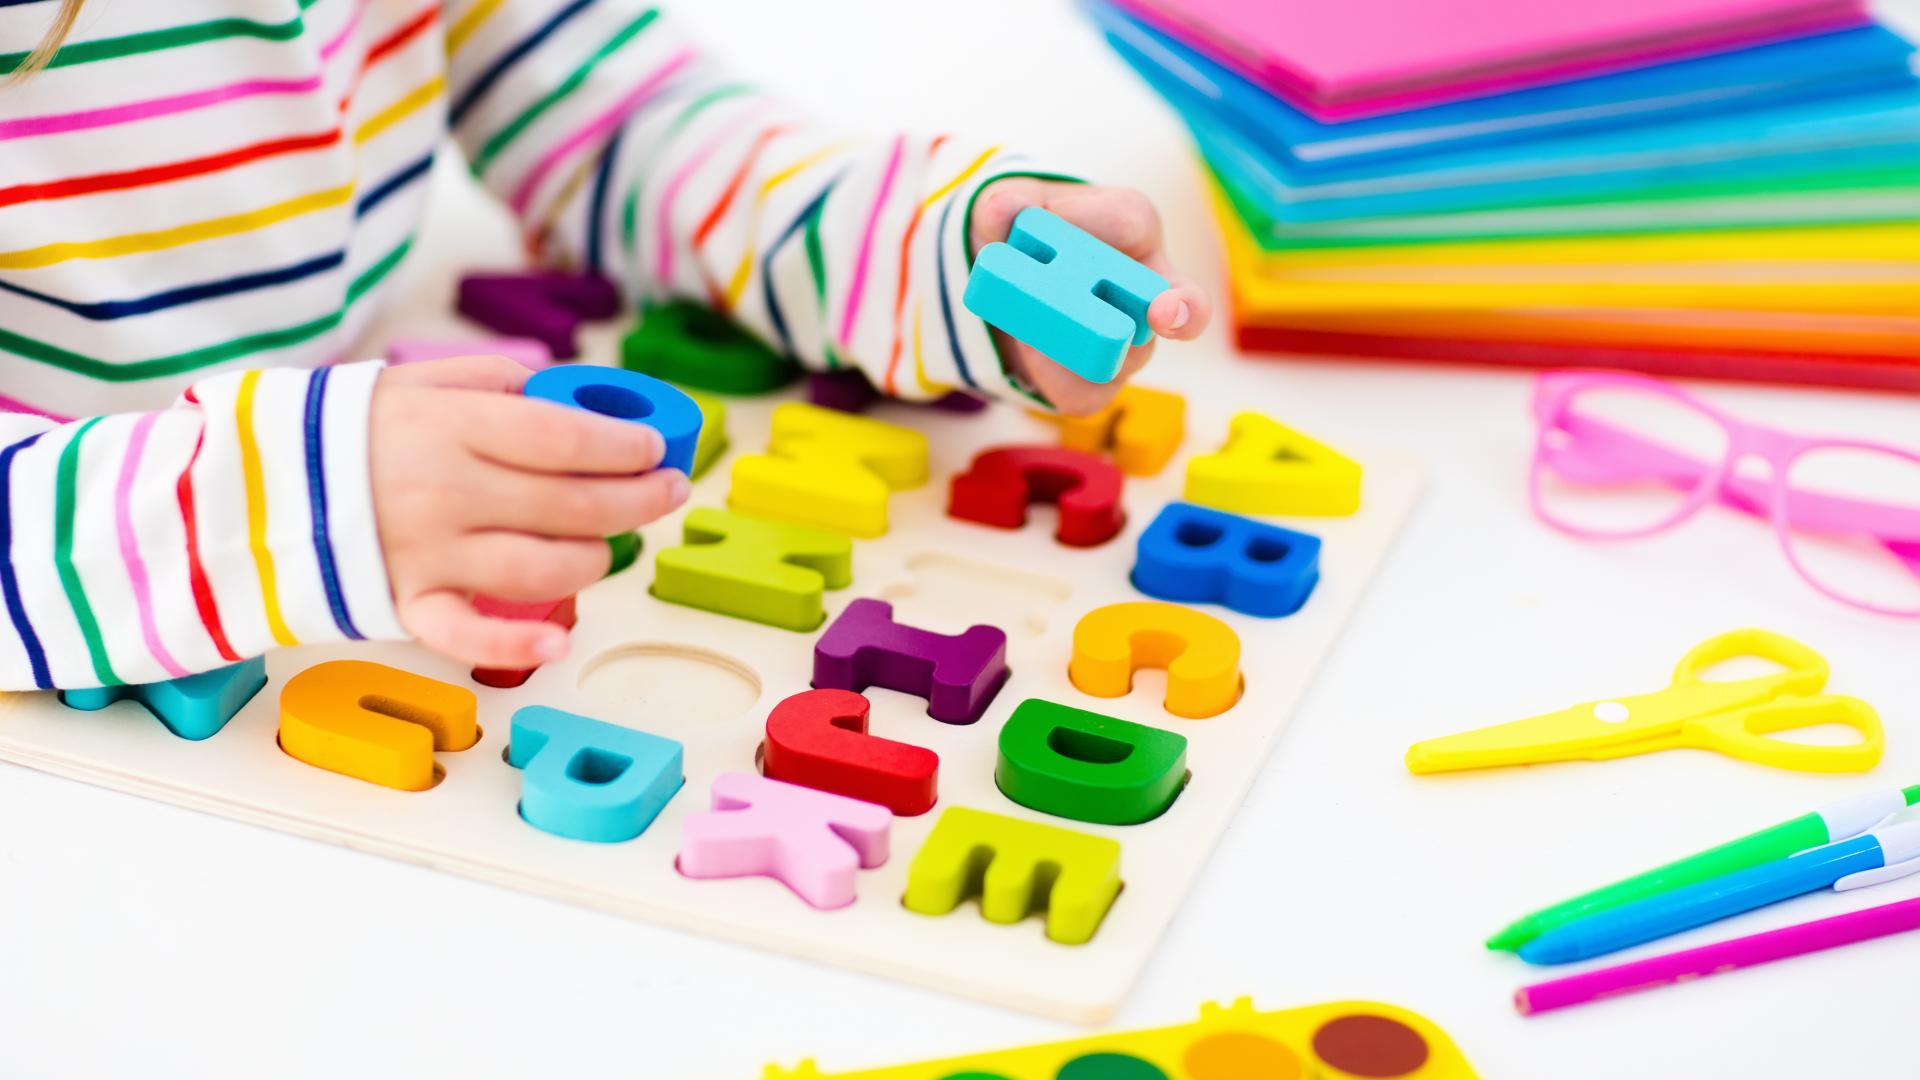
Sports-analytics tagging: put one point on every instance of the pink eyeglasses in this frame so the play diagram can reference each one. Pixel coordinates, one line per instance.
(1625, 456)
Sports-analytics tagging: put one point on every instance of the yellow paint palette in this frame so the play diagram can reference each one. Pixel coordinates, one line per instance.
(1337, 1041)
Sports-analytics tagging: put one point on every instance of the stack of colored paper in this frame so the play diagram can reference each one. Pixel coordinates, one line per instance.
(1727, 187)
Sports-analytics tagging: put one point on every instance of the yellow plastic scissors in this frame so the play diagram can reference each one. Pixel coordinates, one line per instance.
(1735, 718)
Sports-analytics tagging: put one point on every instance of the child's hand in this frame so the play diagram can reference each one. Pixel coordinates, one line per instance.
(480, 490)
(1123, 218)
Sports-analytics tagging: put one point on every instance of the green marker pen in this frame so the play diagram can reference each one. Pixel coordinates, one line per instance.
(1837, 822)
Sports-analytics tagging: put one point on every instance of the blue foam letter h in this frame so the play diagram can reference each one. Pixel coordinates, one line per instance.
(1060, 289)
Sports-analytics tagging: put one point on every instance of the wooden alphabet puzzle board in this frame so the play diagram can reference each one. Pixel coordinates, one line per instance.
(709, 682)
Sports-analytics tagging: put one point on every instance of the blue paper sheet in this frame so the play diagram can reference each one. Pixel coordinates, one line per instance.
(1878, 131)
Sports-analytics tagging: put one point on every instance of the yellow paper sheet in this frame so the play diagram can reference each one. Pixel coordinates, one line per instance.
(1858, 288)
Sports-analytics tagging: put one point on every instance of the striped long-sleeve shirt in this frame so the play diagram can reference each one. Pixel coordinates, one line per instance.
(199, 189)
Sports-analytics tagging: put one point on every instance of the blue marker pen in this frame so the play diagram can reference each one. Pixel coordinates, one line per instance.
(1881, 855)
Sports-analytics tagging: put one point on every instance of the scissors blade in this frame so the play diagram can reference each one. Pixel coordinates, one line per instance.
(1568, 735)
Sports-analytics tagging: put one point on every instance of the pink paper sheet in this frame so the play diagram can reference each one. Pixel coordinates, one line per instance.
(1345, 59)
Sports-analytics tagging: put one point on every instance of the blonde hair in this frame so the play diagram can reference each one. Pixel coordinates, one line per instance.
(43, 53)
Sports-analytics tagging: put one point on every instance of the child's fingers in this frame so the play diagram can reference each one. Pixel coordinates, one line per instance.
(1182, 312)
(1122, 217)
(447, 623)
(494, 373)
(1127, 219)
(1079, 400)
(1070, 394)
(515, 566)
(545, 437)
(1137, 358)
(585, 507)
(999, 204)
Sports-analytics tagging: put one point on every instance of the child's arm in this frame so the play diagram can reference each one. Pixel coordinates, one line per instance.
(275, 508)
(149, 546)
(624, 151)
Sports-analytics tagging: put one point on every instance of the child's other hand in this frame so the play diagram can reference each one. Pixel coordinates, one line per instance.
(481, 491)
(1127, 220)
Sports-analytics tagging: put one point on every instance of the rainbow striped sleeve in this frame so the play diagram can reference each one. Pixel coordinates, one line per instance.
(148, 546)
(623, 149)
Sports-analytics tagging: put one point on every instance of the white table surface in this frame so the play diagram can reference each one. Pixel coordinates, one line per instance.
(137, 938)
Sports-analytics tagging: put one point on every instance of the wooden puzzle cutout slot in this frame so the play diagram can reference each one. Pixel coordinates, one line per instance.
(948, 593)
(674, 684)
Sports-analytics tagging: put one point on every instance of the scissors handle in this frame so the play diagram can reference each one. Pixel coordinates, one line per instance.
(1747, 734)
(1805, 671)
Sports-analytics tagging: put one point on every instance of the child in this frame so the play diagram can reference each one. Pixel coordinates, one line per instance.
(201, 202)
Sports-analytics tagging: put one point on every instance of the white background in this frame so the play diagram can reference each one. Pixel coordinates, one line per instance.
(140, 939)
